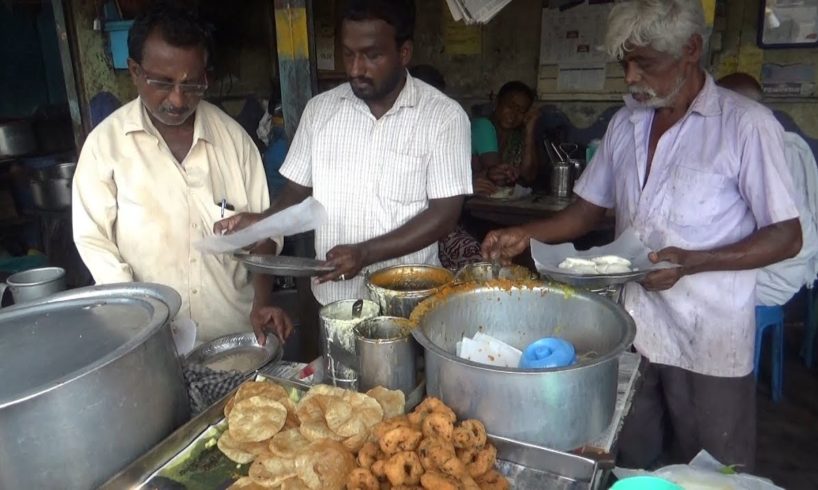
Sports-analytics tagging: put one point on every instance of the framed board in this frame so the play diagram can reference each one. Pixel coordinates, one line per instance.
(788, 24)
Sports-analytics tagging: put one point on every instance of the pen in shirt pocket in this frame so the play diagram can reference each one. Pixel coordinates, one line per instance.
(225, 205)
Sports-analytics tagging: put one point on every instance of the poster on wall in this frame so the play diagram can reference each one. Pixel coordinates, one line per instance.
(571, 38)
(574, 34)
(460, 38)
(788, 23)
(797, 80)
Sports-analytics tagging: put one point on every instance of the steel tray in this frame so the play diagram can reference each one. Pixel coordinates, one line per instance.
(189, 458)
(281, 265)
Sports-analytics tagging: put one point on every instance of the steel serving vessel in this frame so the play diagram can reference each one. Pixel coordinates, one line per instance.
(33, 284)
(399, 288)
(561, 408)
(90, 380)
(387, 354)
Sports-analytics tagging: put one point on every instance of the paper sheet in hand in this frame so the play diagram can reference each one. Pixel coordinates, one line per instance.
(547, 258)
(308, 215)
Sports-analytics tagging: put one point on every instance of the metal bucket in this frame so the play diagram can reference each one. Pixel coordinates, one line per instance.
(399, 288)
(34, 284)
(338, 340)
(387, 354)
(560, 408)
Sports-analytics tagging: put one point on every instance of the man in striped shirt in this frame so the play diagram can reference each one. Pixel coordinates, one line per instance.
(386, 154)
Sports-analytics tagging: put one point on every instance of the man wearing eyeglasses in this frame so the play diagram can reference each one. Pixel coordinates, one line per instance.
(155, 175)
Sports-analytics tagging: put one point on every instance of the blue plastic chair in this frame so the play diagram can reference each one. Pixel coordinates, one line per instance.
(771, 318)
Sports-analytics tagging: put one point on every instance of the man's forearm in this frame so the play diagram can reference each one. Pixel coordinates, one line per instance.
(766, 246)
(290, 196)
(424, 229)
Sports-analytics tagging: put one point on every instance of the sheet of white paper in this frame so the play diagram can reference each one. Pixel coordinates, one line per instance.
(481, 11)
(475, 351)
(588, 77)
(486, 349)
(325, 53)
(454, 8)
(547, 258)
(503, 354)
(307, 215)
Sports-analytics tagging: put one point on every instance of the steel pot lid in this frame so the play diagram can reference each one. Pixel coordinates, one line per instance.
(51, 342)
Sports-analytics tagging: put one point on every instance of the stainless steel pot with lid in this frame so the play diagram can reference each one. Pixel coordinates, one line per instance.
(560, 408)
(90, 380)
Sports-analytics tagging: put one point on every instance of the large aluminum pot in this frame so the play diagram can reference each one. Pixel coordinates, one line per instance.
(560, 408)
(90, 380)
(399, 288)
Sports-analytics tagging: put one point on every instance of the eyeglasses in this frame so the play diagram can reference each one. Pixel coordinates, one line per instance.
(194, 89)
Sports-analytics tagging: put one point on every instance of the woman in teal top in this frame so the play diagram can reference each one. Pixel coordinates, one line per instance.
(503, 144)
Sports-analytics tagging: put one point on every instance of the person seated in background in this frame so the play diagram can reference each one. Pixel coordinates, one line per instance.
(503, 147)
(776, 284)
(459, 248)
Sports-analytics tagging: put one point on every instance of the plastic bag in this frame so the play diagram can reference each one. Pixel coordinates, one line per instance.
(703, 473)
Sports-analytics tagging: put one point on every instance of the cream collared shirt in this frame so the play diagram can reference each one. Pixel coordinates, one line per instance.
(137, 211)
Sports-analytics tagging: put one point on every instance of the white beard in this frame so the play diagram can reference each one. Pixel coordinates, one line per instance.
(654, 101)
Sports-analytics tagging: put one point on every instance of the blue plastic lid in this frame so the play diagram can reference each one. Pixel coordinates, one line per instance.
(550, 352)
(645, 483)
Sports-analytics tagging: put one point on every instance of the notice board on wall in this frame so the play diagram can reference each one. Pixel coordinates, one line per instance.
(571, 58)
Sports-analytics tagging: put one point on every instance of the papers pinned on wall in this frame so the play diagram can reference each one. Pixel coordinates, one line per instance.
(476, 11)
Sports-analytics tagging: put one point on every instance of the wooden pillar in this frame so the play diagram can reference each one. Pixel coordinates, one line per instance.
(72, 90)
(297, 79)
(293, 40)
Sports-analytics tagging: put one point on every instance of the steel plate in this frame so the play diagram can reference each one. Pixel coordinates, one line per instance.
(237, 352)
(282, 265)
(594, 282)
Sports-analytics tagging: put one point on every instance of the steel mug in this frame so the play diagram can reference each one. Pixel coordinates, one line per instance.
(34, 284)
(338, 340)
(387, 354)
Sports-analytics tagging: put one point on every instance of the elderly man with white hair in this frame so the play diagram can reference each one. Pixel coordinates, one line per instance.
(698, 173)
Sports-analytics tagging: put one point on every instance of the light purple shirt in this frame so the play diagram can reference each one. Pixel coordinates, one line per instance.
(717, 175)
